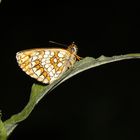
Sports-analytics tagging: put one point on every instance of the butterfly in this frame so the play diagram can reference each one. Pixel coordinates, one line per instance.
(47, 64)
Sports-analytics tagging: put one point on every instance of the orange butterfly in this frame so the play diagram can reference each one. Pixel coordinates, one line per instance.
(47, 64)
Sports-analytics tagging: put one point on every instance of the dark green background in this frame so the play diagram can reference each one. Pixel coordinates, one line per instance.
(101, 103)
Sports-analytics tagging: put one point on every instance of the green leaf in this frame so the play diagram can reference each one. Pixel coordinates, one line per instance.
(39, 91)
(3, 133)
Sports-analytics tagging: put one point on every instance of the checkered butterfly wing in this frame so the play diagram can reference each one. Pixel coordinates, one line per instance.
(45, 65)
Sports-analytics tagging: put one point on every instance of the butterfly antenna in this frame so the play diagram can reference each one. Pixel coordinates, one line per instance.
(53, 42)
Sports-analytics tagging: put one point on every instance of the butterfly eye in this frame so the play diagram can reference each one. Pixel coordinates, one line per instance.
(74, 49)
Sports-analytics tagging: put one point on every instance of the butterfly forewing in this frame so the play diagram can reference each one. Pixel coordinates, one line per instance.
(45, 65)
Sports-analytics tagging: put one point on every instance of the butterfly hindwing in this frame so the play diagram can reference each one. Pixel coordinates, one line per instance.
(45, 65)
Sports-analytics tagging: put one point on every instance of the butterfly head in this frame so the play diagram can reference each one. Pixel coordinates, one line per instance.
(73, 48)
